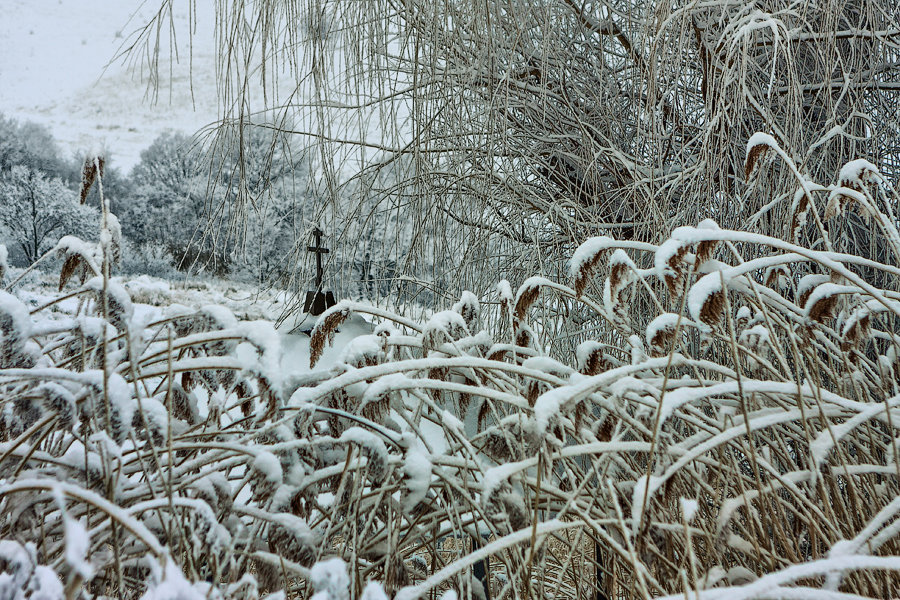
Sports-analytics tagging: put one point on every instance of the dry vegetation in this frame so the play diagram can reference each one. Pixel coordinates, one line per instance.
(707, 411)
(742, 443)
(507, 133)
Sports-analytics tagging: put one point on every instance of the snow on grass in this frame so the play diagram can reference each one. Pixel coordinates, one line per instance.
(78, 545)
(330, 580)
(417, 475)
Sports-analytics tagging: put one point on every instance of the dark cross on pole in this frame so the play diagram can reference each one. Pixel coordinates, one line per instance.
(318, 301)
(319, 250)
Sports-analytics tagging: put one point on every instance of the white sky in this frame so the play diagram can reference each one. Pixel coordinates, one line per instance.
(52, 59)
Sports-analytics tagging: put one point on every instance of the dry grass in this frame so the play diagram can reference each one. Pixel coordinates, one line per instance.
(749, 449)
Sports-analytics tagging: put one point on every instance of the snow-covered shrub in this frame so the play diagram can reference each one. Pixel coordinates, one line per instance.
(149, 258)
(764, 390)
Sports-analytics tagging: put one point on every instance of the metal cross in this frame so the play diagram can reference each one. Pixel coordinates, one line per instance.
(319, 250)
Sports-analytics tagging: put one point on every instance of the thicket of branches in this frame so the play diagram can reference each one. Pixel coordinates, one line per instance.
(526, 127)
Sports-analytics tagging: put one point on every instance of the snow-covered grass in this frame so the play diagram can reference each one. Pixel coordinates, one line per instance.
(741, 442)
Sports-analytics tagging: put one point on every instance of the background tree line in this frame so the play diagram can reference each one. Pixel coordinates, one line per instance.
(174, 215)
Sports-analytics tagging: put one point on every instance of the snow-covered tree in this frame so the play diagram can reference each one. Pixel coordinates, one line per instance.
(35, 211)
(33, 146)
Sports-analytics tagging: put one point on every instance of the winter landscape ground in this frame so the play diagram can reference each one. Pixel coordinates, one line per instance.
(618, 303)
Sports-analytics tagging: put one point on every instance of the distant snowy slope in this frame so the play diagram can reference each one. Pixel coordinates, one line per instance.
(57, 69)
(52, 59)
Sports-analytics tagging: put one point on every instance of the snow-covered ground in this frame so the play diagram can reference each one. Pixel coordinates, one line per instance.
(154, 299)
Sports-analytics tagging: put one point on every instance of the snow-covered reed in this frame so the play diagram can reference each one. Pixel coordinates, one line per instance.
(739, 442)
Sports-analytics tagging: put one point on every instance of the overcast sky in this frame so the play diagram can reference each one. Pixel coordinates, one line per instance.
(52, 59)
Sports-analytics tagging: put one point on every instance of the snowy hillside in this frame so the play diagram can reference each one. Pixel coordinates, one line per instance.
(57, 69)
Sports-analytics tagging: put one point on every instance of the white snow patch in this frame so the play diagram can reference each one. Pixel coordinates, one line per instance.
(329, 579)
(417, 469)
(689, 508)
(78, 545)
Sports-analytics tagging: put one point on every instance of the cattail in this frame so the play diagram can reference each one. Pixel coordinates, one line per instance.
(822, 301)
(620, 271)
(15, 329)
(514, 507)
(184, 406)
(118, 302)
(756, 340)
(114, 244)
(26, 411)
(524, 335)
(586, 259)
(267, 574)
(505, 507)
(377, 409)
(836, 203)
(614, 290)
(799, 210)
(603, 428)
(59, 401)
(502, 443)
(777, 277)
(484, 411)
(463, 401)
(590, 359)
(858, 175)
(856, 330)
(73, 263)
(339, 400)
(324, 330)
(244, 390)
(268, 397)
(807, 284)
(265, 475)
(303, 503)
(93, 166)
(506, 297)
(444, 327)
(223, 492)
(660, 333)
(203, 489)
(364, 351)
(525, 297)
(707, 248)
(469, 308)
(533, 391)
(580, 415)
(758, 146)
(668, 261)
(713, 308)
(706, 299)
